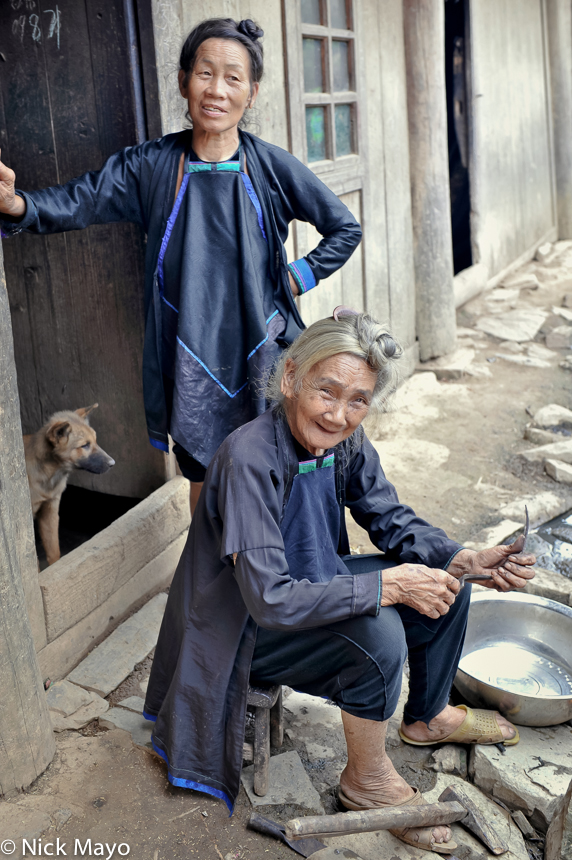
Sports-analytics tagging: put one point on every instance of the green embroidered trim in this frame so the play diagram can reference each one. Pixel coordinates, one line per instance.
(311, 465)
(306, 466)
(224, 167)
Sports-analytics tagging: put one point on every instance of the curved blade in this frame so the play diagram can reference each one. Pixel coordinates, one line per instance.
(519, 545)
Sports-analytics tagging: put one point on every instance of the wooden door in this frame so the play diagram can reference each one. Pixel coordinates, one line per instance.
(511, 162)
(71, 95)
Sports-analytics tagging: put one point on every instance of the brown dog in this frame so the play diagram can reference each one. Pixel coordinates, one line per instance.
(65, 443)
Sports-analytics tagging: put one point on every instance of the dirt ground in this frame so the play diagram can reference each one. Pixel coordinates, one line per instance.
(451, 449)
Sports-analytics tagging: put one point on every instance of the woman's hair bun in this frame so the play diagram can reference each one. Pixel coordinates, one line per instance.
(248, 28)
(389, 345)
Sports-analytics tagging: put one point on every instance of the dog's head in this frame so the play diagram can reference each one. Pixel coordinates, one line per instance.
(74, 442)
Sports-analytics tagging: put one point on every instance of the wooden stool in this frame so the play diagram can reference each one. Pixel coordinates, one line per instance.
(268, 730)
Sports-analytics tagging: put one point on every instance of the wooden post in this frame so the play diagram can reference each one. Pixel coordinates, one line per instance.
(559, 19)
(26, 738)
(424, 29)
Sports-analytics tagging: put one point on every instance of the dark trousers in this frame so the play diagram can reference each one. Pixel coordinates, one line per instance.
(358, 663)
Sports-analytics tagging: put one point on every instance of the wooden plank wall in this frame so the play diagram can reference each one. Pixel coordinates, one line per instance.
(512, 187)
(77, 298)
(388, 238)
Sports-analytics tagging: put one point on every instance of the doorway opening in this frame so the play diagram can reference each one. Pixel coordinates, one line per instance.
(456, 58)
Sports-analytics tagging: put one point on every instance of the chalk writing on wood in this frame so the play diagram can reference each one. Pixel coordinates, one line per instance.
(31, 25)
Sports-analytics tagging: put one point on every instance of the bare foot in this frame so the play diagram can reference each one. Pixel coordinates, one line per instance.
(389, 789)
(445, 724)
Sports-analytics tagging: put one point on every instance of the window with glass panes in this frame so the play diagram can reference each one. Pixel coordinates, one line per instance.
(329, 88)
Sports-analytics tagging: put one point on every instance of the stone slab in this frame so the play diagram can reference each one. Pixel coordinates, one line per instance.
(540, 437)
(554, 451)
(518, 325)
(138, 727)
(111, 662)
(450, 759)
(288, 784)
(95, 707)
(90, 574)
(65, 652)
(560, 337)
(133, 703)
(550, 584)
(565, 313)
(493, 813)
(541, 507)
(522, 281)
(524, 360)
(559, 471)
(530, 776)
(65, 698)
(551, 415)
(497, 534)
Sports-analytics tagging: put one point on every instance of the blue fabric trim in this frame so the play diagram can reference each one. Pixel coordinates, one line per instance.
(212, 376)
(203, 365)
(170, 305)
(251, 353)
(445, 566)
(189, 783)
(4, 235)
(255, 201)
(160, 445)
(169, 229)
(149, 717)
(303, 274)
(378, 592)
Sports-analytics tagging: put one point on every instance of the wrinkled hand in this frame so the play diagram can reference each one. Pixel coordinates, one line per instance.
(508, 570)
(431, 592)
(10, 203)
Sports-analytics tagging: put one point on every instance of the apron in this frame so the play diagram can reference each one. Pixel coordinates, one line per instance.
(311, 523)
(219, 324)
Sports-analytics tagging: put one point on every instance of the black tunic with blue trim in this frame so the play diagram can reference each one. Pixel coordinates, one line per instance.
(281, 581)
(227, 250)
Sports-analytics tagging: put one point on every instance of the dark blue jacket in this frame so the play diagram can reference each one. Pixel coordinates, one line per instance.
(199, 680)
(138, 184)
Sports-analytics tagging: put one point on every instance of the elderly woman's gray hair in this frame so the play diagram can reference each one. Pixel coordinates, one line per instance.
(357, 334)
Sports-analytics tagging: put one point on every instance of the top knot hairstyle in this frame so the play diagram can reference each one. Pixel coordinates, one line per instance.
(347, 332)
(246, 32)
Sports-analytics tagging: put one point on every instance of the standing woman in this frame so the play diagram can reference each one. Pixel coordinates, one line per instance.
(215, 202)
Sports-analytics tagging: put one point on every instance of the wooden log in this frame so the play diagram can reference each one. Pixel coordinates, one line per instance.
(261, 750)
(90, 574)
(424, 29)
(387, 818)
(277, 722)
(27, 745)
(475, 821)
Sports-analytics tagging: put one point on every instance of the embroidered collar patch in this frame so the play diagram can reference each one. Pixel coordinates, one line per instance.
(311, 465)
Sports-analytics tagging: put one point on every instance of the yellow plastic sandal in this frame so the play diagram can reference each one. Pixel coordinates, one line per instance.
(478, 727)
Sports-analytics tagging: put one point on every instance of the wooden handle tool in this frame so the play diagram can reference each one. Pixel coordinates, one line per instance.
(374, 819)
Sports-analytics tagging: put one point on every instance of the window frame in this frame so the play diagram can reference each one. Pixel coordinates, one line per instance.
(341, 173)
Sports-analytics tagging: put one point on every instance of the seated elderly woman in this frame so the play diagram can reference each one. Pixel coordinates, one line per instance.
(267, 592)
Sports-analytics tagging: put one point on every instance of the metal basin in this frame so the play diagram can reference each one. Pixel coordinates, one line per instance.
(517, 658)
